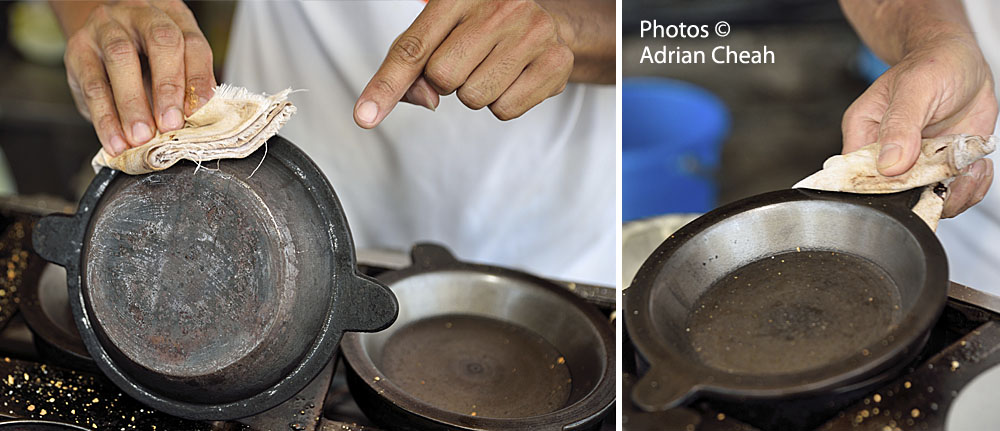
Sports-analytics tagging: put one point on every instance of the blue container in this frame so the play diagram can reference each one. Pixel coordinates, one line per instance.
(672, 135)
(868, 66)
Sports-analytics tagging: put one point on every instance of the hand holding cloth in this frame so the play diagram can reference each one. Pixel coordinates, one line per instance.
(233, 124)
(940, 160)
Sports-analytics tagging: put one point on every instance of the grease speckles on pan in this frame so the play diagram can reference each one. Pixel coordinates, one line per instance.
(793, 312)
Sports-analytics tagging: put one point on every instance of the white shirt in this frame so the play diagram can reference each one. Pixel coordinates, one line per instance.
(536, 193)
(972, 240)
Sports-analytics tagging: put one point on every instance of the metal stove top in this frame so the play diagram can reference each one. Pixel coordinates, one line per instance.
(964, 343)
(32, 388)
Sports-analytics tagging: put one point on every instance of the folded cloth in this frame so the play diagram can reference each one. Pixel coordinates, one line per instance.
(232, 125)
(940, 160)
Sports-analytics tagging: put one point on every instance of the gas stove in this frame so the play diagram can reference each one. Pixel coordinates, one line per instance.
(963, 344)
(39, 383)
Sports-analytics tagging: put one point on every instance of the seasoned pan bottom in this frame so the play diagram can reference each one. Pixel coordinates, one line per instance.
(793, 312)
(477, 366)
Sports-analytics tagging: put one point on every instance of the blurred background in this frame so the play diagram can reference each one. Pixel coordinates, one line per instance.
(46, 145)
(697, 136)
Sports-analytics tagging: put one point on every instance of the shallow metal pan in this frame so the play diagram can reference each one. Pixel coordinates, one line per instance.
(870, 259)
(480, 347)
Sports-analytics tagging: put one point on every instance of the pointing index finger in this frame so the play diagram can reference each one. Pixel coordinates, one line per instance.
(405, 61)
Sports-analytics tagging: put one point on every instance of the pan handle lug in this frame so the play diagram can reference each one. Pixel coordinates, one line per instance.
(367, 305)
(428, 254)
(656, 391)
(57, 238)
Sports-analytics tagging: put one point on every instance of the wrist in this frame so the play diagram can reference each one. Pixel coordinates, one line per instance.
(564, 26)
(588, 30)
(943, 34)
(73, 15)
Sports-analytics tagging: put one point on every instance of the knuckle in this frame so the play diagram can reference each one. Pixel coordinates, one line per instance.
(384, 86)
(168, 88)
(441, 77)
(563, 57)
(164, 34)
(504, 111)
(560, 89)
(106, 123)
(543, 26)
(94, 89)
(76, 42)
(194, 41)
(199, 81)
(118, 49)
(473, 97)
(409, 50)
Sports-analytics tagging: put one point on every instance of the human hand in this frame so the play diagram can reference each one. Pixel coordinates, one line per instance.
(507, 55)
(105, 73)
(943, 87)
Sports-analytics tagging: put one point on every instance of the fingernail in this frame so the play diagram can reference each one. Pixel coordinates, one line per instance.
(141, 132)
(420, 96)
(172, 119)
(430, 99)
(978, 169)
(889, 155)
(367, 112)
(117, 145)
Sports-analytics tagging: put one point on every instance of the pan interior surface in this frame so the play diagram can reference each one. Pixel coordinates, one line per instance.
(468, 341)
(448, 360)
(788, 287)
(792, 312)
(179, 260)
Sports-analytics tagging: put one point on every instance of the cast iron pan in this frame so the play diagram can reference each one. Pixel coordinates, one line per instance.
(45, 305)
(479, 347)
(784, 295)
(214, 294)
(32, 425)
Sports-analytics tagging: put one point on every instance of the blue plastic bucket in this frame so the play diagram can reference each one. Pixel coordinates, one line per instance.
(672, 135)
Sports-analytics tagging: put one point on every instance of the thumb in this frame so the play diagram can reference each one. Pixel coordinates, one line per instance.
(899, 134)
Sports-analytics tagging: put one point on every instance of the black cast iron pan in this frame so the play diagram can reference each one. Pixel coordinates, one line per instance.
(790, 294)
(36, 425)
(214, 293)
(479, 347)
(46, 309)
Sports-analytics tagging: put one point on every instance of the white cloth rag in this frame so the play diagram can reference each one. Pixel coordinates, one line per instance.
(233, 124)
(940, 160)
